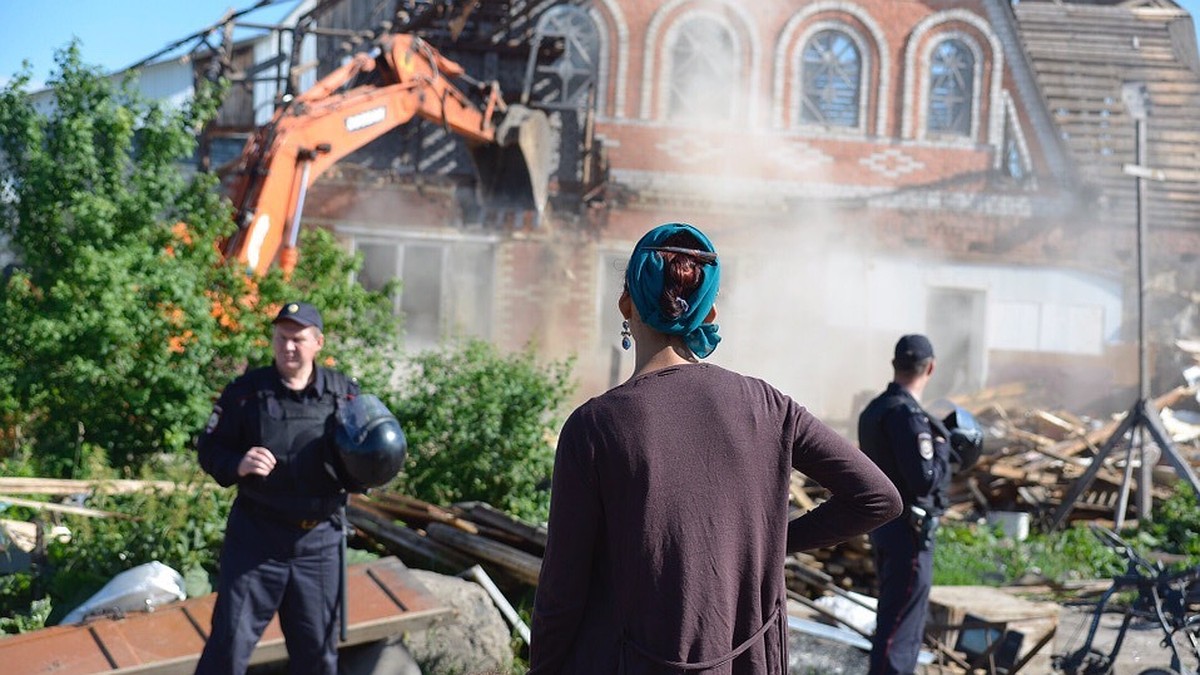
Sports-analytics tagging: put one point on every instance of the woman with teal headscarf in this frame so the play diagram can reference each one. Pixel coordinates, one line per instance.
(669, 505)
(672, 278)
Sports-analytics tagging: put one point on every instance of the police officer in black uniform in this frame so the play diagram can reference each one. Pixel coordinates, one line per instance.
(911, 447)
(270, 434)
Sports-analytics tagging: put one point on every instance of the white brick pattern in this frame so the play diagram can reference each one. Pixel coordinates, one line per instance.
(892, 163)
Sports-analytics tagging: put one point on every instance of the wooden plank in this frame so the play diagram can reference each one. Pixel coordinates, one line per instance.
(486, 514)
(174, 636)
(796, 490)
(408, 544)
(415, 511)
(62, 508)
(65, 486)
(403, 587)
(519, 564)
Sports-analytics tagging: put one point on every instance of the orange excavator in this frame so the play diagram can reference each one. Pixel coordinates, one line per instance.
(510, 143)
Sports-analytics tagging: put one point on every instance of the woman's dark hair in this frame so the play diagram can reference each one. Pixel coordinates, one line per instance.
(682, 274)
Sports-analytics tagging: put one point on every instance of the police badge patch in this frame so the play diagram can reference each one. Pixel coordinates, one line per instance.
(213, 419)
(925, 446)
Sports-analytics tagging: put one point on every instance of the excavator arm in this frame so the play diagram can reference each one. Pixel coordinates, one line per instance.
(324, 124)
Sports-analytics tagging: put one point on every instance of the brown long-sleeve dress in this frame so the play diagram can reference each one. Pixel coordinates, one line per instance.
(668, 516)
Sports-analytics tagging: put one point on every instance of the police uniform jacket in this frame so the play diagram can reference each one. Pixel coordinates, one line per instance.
(909, 446)
(257, 409)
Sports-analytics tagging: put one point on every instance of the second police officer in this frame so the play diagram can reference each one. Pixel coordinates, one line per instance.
(913, 449)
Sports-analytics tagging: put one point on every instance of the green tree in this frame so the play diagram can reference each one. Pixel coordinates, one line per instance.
(481, 426)
(121, 323)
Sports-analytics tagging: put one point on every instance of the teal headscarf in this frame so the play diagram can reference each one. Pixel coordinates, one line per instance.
(644, 277)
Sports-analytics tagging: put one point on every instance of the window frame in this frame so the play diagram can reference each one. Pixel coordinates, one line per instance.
(865, 101)
(733, 88)
(971, 138)
(446, 319)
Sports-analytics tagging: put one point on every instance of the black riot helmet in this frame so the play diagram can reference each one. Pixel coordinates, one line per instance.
(370, 443)
(966, 438)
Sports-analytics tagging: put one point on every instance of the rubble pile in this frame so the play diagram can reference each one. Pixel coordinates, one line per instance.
(1032, 457)
(1031, 460)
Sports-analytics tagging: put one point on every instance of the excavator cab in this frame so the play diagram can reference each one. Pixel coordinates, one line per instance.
(511, 144)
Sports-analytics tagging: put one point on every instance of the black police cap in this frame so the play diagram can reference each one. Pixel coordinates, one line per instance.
(913, 348)
(302, 313)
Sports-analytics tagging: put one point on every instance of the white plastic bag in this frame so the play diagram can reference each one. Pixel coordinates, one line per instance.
(851, 613)
(140, 589)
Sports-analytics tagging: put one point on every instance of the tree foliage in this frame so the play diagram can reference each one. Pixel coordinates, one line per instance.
(481, 426)
(121, 323)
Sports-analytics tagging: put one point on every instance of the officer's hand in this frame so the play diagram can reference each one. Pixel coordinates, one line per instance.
(258, 461)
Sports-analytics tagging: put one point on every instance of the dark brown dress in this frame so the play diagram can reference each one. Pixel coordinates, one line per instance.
(668, 516)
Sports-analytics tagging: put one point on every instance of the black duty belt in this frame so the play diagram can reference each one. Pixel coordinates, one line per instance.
(263, 511)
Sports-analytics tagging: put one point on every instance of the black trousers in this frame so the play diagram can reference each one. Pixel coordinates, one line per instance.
(266, 566)
(905, 577)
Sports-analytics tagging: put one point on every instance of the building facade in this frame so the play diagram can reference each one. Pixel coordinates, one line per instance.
(867, 168)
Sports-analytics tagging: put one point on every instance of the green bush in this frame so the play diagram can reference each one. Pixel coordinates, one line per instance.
(21, 608)
(1175, 527)
(182, 528)
(481, 426)
(971, 554)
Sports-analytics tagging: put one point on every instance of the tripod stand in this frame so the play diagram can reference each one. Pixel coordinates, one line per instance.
(1143, 417)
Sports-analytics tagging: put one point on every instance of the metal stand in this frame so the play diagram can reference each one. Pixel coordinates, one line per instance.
(1142, 417)
(343, 603)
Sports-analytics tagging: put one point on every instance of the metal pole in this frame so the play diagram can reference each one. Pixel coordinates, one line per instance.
(476, 572)
(1126, 481)
(1139, 103)
(1143, 361)
(343, 600)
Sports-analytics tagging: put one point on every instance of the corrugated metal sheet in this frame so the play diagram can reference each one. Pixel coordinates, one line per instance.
(384, 599)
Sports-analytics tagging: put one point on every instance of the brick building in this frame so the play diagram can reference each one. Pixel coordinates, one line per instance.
(867, 168)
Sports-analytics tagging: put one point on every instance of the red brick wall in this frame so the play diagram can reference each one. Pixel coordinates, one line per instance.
(942, 198)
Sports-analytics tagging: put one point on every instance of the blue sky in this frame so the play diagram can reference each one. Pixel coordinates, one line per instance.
(117, 33)
(113, 34)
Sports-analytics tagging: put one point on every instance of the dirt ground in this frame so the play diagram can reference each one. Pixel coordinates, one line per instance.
(1141, 649)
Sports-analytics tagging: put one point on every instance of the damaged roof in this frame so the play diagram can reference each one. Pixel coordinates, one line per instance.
(1082, 55)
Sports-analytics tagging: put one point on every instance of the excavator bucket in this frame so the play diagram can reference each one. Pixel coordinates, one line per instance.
(514, 173)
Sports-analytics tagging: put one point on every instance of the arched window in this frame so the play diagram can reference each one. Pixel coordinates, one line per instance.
(951, 88)
(563, 79)
(703, 72)
(831, 75)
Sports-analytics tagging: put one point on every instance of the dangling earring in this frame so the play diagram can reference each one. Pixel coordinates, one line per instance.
(626, 342)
